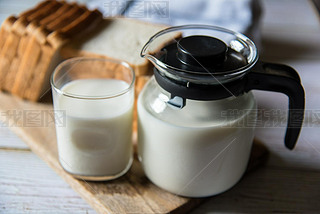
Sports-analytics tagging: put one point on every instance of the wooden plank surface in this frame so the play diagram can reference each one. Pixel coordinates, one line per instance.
(270, 190)
(23, 183)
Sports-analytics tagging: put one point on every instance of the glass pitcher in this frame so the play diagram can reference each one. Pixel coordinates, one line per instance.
(197, 115)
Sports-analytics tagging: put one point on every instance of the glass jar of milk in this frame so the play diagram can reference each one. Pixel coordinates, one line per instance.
(95, 97)
(186, 150)
(196, 117)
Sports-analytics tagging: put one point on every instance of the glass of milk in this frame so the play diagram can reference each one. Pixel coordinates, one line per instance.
(95, 98)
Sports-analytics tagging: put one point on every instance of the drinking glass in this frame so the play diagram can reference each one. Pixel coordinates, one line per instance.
(95, 97)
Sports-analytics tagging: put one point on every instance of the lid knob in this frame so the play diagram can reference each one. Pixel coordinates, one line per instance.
(201, 51)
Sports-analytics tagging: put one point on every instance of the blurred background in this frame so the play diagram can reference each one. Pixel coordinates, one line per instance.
(286, 31)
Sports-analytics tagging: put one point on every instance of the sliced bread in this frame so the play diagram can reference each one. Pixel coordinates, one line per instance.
(31, 43)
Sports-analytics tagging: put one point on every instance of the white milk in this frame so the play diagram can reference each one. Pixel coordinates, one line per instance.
(194, 151)
(96, 140)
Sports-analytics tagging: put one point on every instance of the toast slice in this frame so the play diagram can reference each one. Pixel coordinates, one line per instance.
(5, 29)
(8, 46)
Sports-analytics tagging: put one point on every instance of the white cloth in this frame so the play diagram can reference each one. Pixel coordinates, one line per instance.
(238, 15)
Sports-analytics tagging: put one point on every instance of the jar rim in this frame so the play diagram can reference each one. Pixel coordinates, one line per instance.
(238, 42)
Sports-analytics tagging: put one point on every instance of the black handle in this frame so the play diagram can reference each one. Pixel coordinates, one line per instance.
(281, 78)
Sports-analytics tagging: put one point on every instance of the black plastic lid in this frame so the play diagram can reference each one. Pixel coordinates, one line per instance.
(201, 50)
(202, 55)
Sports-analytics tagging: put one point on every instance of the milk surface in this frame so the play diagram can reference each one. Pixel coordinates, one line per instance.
(198, 150)
(96, 140)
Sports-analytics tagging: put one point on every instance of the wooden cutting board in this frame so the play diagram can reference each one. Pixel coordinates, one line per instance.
(132, 193)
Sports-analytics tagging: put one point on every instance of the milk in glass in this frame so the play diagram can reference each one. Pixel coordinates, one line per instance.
(96, 138)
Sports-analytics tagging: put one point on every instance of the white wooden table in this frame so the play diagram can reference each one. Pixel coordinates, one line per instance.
(290, 183)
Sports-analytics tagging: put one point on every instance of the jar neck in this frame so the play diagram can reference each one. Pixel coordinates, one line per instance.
(154, 99)
(194, 91)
